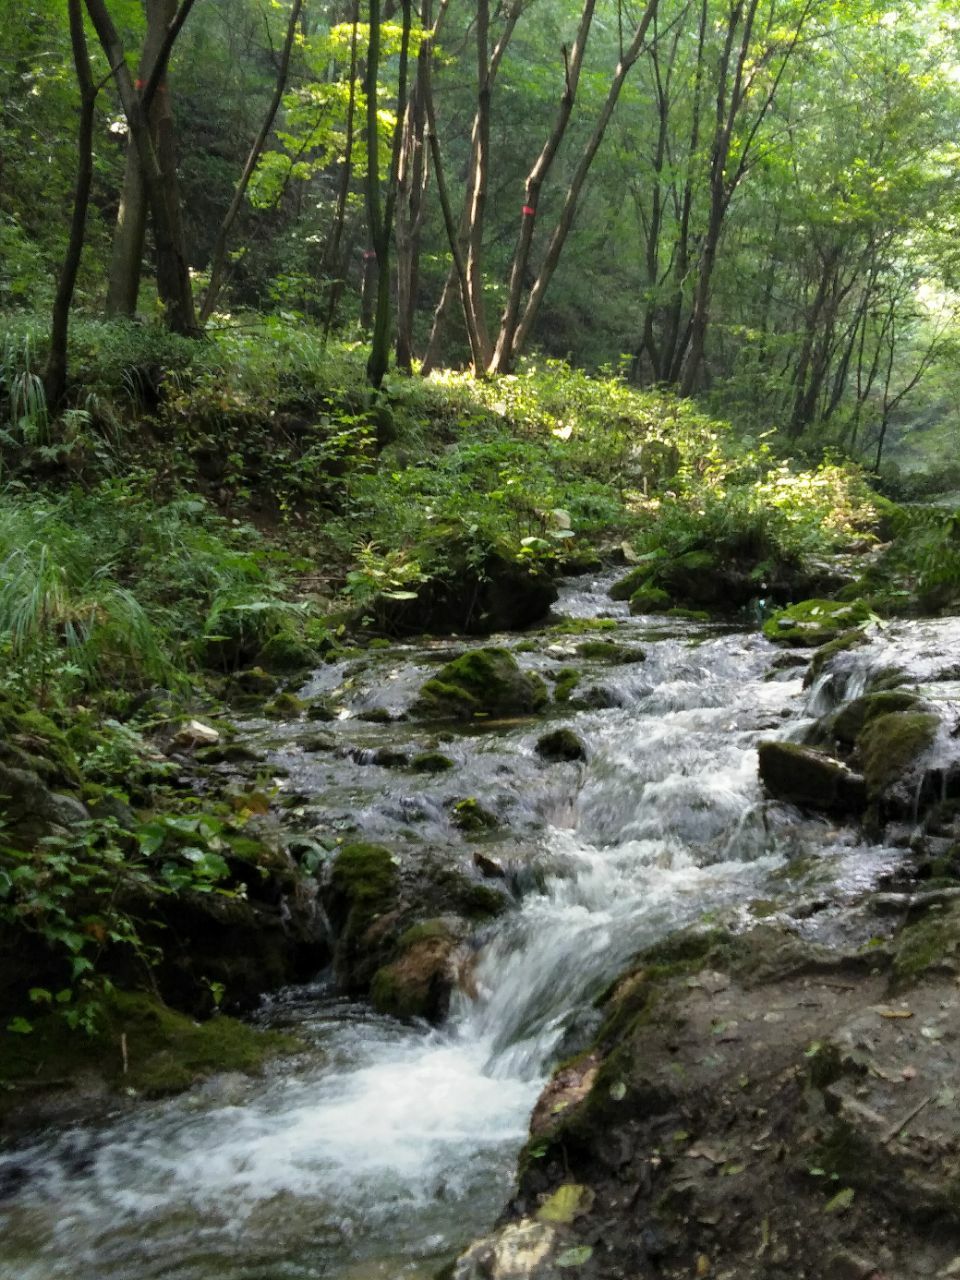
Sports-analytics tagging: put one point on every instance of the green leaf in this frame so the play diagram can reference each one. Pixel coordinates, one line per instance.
(20, 1026)
(576, 1256)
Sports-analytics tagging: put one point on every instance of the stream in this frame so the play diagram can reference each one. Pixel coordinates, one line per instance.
(383, 1150)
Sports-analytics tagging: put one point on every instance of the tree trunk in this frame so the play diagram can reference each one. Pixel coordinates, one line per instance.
(55, 373)
(219, 258)
(334, 261)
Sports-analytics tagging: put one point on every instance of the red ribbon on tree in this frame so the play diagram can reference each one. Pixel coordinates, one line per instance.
(528, 211)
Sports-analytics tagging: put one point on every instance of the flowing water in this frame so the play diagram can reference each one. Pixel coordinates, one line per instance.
(385, 1148)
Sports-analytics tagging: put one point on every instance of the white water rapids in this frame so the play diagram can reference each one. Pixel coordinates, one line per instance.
(387, 1148)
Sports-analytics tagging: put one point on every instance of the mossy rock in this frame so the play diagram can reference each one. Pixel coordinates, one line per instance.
(891, 748)
(471, 817)
(931, 943)
(286, 654)
(810, 779)
(432, 762)
(419, 982)
(850, 720)
(391, 758)
(166, 1051)
(321, 711)
(363, 892)
(610, 651)
(852, 638)
(375, 715)
(688, 615)
(560, 745)
(31, 740)
(567, 680)
(285, 706)
(583, 626)
(630, 583)
(255, 681)
(813, 623)
(650, 599)
(228, 753)
(484, 682)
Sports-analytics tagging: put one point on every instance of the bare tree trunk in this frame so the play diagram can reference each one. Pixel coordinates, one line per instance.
(381, 213)
(219, 257)
(55, 373)
(512, 341)
(169, 241)
(573, 62)
(334, 262)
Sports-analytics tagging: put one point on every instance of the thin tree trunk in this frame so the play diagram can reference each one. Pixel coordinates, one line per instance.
(334, 262)
(219, 258)
(573, 63)
(180, 312)
(55, 373)
(511, 343)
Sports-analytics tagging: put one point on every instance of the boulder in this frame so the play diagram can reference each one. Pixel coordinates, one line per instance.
(810, 779)
(362, 895)
(194, 734)
(813, 623)
(419, 982)
(560, 745)
(31, 810)
(892, 749)
(484, 682)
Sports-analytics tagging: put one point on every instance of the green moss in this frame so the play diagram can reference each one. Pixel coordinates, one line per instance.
(890, 745)
(285, 706)
(471, 817)
(567, 680)
(850, 720)
(432, 762)
(815, 622)
(482, 682)
(227, 753)
(581, 626)
(286, 653)
(366, 876)
(480, 902)
(166, 1051)
(933, 942)
(422, 932)
(610, 651)
(650, 599)
(689, 615)
(320, 710)
(255, 681)
(43, 747)
(630, 583)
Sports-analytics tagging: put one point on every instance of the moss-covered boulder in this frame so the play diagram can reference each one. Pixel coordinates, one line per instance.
(286, 654)
(31, 810)
(610, 651)
(850, 721)
(419, 982)
(810, 779)
(285, 706)
(631, 582)
(484, 682)
(31, 740)
(892, 750)
(843, 643)
(471, 817)
(432, 762)
(567, 680)
(560, 745)
(362, 895)
(256, 682)
(813, 623)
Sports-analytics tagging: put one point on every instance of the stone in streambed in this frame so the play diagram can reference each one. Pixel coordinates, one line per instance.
(483, 682)
(813, 623)
(892, 749)
(560, 745)
(810, 779)
(852, 719)
(418, 984)
(431, 762)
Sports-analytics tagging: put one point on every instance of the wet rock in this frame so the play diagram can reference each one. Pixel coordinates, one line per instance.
(566, 682)
(418, 984)
(810, 779)
(319, 742)
(362, 894)
(228, 753)
(255, 681)
(560, 745)
(320, 710)
(431, 762)
(520, 1251)
(376, 715)
(850, 720)
(285, 706)
(286, 654)
(610, 651)
(843, 643)
(489, 867)
(892, 749)
(814, 623)
(483, 682)
(471, 817)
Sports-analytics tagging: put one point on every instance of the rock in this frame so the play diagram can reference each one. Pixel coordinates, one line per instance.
(195, 734)
(650, 600)
(631, 582)
(32, 811)
(560, 745)
(891, 749)
(814, 623)
(483, 682)
(846, 640)
(320, 710)
(285, 653)
(489, 867)
(469, 598)
(390, 758)
(418, 984)
(810, 779)
(285, 706)
(610, 651)
(850, 721)
(256, 682)
(567, 680)
(519, 1251)
(362, 893)
(431, 762)
(228, 753)
(470, 816)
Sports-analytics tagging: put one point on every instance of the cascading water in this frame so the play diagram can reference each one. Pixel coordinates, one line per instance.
(384, 1149)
